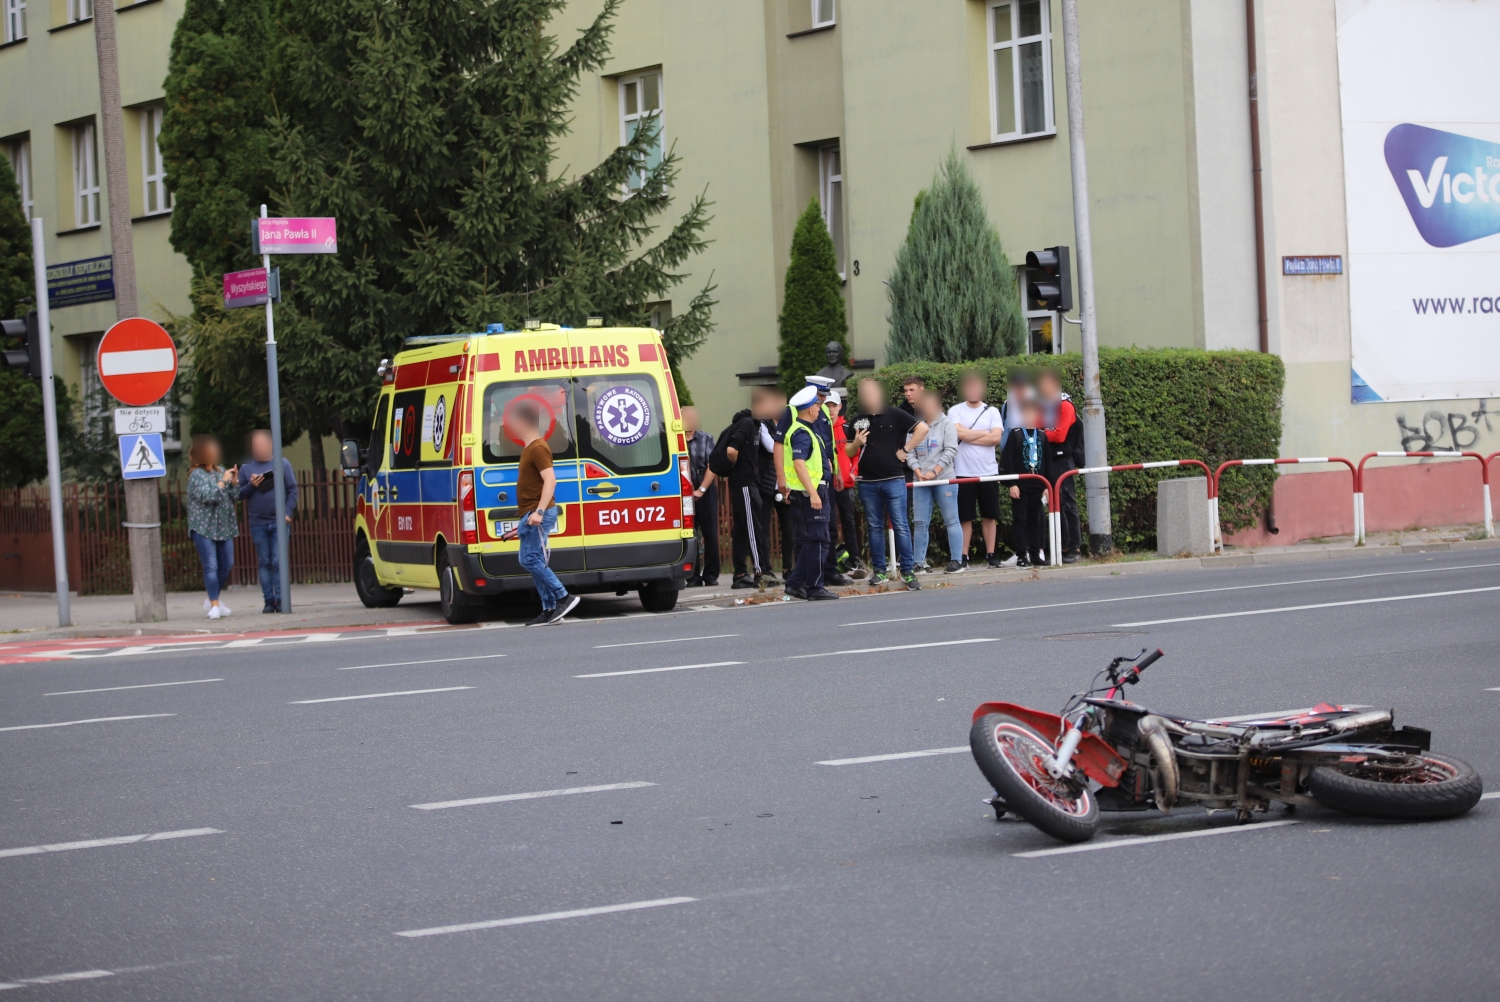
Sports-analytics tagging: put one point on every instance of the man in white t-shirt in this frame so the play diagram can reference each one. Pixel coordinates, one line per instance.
(979, 429)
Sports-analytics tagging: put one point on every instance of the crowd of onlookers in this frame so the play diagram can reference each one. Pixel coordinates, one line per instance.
(856, 491)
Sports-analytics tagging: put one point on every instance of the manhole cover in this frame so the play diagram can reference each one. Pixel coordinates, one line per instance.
(1108, 635)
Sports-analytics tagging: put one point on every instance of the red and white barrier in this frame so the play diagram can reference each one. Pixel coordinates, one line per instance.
(1359, 484)
(1216, 535)
(1054, 514)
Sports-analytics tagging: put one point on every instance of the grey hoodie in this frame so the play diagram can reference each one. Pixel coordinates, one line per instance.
(937, 448)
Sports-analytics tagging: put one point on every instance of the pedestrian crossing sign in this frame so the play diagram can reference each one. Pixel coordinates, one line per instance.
(141, 457)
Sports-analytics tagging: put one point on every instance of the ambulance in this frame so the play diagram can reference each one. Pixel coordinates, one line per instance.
(437, 484)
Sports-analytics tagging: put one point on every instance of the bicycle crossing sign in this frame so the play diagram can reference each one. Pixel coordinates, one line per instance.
(140, 420)
(141, 457)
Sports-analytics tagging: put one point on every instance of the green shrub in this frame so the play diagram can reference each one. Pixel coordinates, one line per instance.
(1160, 403)
(812, 312)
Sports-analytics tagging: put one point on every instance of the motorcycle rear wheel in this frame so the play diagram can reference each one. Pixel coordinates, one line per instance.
(1444, 787)
(1011, 756)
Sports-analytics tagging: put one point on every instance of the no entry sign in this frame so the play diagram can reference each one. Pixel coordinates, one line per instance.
(137, 361)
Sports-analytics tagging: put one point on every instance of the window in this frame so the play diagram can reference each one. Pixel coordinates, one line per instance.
(20, 164)
(85, 176)
(15, 20)
(158, 199)
(549, 397)
(822, 13)
(1020, 70)
(640, 102)
(80, 10)
(606, 406)
(831, 197)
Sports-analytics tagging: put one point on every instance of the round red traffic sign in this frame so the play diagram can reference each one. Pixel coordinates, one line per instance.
(137, 361)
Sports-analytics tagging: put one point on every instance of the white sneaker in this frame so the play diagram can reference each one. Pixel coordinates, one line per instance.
(213, 612)
(224, 610)
(1009, 561)
(207, 605)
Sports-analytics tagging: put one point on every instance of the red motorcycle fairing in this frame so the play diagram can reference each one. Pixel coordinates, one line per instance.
(1095, 757)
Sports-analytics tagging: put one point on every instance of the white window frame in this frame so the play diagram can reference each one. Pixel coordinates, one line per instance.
(86, 194)
(15, 20)
(1012, 9)
(80, 10)
(818, 21)
(154, 182)
(628, 120)
(831, 200)
(19, 154)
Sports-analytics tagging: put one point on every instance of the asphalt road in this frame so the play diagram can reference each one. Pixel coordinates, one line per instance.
(300, 860)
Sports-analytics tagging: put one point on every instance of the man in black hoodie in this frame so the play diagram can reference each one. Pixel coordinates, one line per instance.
(736, 460)
(767, 408)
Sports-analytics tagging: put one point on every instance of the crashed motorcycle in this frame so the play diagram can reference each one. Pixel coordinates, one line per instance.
(1103, 752)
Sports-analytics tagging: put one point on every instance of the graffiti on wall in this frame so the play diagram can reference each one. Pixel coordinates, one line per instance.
(1440, 431)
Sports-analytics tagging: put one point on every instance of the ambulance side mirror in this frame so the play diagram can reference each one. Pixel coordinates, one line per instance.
(349, 458)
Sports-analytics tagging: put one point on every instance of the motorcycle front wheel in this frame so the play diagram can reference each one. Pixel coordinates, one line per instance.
(1428, 786)
(1013, 757)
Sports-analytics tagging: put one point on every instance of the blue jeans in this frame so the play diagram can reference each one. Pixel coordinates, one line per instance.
(887, 498)
(946, 499)
(534, 558)
(217, 557)
(263, 535)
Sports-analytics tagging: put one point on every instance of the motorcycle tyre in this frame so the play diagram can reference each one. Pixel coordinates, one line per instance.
(1019, 797)
(1399, 801)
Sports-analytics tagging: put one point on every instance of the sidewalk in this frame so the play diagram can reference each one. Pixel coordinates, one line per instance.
(29, 616)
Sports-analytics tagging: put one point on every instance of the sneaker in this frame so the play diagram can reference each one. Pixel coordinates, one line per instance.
(965, 561)
(911, 583)
(542, 618)
(1070, 558)
(207, 605)
(213, 612)
(795, 592)
(269, 608)
(992, 561)
(879, 578)
(821, 595)
(921, 568)
(694, 583)
(224, 610)
(569, 604)
(710, 582)
(837, 580)
(1022, 562)
(954, 567)
(743, 583)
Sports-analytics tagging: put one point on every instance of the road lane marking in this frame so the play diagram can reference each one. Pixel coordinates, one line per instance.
(897, 647)
(1167, 594)
(896, 755)
(432, 661)
(97, 843)
(675, 640)
(1143, 839)
(379, 695)
(118, 688)
(1316, 605)
(90, 720)
(631, 906)
(444, 804)
(1489, 796)
(648, 671)
(55, 979)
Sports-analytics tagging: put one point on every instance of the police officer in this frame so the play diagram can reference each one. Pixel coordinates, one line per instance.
(822, 426)
(808, 472)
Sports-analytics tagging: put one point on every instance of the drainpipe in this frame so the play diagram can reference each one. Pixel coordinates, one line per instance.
(1255, 174)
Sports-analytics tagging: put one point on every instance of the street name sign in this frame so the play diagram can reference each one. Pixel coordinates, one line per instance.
(246, 288)
(142, 457)
(140, 420)
(137, 361)
(307, 235)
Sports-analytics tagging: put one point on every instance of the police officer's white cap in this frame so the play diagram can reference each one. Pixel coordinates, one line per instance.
(820, 383)
(805, 397)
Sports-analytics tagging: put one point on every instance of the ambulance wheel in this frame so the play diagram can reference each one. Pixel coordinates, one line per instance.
(658, 596)
(367, 584)
(457, 607)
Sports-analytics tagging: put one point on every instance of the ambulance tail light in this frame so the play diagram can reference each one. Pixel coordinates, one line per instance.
(687, 491)
(470, 518)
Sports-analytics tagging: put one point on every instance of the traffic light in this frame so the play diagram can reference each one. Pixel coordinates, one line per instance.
(1049, 280)
(28, 358)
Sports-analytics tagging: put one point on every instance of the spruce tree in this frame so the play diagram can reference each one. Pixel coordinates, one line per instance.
(953, 294)
(812, 309)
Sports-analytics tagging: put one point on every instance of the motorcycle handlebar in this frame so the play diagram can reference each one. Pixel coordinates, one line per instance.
(1149, 660)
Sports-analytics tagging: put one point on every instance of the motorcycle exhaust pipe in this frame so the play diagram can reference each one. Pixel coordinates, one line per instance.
(1165, 777)
(1360, 721)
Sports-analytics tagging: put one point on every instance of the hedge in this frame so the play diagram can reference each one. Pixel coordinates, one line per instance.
(1159, 403)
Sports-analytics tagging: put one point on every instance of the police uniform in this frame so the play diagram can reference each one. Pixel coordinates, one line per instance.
(822, 425)
(803, 442)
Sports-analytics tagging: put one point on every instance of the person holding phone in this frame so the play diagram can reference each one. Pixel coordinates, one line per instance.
(211, 495)
(257, 478)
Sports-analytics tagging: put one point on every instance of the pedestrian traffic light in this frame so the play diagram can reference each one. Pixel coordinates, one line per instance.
(28, 358)
(1049, 280)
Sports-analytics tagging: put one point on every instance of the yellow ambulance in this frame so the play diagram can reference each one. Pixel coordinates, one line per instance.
(437, 488)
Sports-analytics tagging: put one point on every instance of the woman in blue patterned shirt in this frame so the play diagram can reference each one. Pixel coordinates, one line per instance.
(212, 525)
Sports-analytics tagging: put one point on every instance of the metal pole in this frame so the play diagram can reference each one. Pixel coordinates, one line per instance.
(49, 422)
(1101, 531)
(283, 546)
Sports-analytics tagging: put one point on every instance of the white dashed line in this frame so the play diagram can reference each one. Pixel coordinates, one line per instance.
(1489, 796)
(1142, 840)
(1318, 605)
(55, 979)
(894, 756)
(118, 688)
(443, 930)
(648, 671)
(674, 640)
(90, 720)
(433, 661)
(379, 695)
(502, 798)
(99, 843)
(898, 647)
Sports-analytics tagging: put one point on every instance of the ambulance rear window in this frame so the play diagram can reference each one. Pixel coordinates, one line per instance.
(620, 423)
(550, 397)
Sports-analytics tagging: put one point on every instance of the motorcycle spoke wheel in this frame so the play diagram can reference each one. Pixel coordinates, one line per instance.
(1012, 757)
(1425, 786)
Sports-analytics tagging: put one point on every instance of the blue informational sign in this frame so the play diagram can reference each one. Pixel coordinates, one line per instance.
(141, 457)
(72, 283)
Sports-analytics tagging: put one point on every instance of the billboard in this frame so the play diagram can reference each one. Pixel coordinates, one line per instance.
(1419, 85)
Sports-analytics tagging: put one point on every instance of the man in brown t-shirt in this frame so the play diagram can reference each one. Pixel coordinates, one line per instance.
(536, 486)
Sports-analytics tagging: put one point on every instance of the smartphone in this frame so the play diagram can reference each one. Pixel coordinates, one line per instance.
(268, 481)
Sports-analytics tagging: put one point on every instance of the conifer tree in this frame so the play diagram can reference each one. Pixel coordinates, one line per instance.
(953, 294)
(812, 309)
